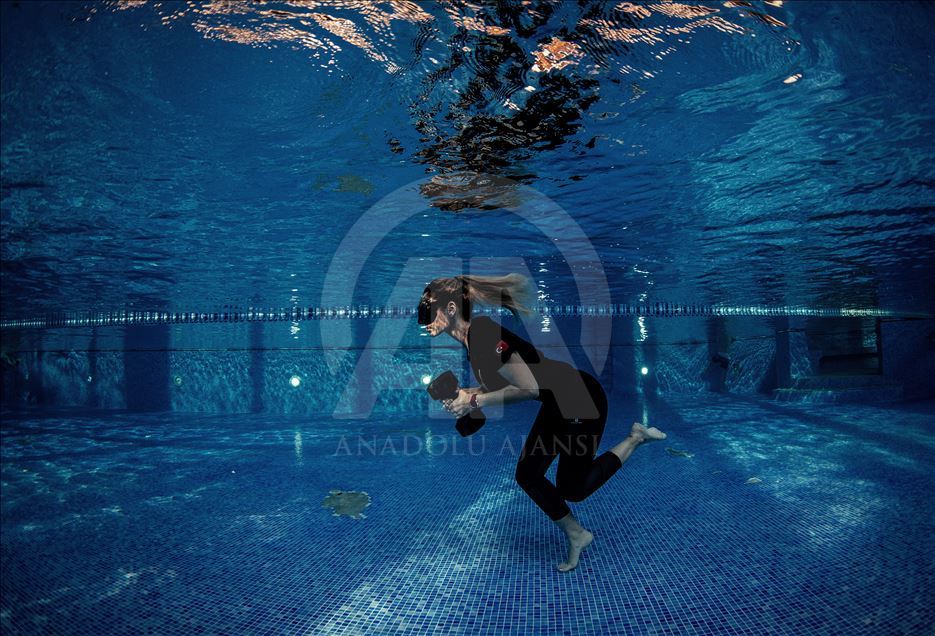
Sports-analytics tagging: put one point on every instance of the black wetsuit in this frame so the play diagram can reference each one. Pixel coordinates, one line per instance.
(569, 424)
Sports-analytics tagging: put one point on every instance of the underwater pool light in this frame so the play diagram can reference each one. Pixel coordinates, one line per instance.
(295, 381)
(644, 370)
(426, 380)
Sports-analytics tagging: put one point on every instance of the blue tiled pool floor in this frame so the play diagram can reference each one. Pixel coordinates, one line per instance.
(784, 519)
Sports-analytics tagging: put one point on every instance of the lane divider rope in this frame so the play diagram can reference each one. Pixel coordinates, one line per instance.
(355, 312)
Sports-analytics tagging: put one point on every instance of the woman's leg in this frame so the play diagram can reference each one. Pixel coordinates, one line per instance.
(579, 473)
(638, 435)
(578, 539)
(539, 451)
(578, 470)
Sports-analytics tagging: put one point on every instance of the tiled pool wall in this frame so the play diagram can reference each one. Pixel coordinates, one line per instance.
(367, 367)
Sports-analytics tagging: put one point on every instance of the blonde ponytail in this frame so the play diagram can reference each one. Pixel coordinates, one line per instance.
(512, 291)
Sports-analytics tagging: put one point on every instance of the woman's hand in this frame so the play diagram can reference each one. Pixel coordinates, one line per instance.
(460, 405)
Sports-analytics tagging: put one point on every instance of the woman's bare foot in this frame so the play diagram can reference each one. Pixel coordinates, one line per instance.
(638, 435)
(642, 434)
(577, 541)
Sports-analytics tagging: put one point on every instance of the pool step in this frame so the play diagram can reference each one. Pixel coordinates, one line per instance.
(839, 381)
(871, 393)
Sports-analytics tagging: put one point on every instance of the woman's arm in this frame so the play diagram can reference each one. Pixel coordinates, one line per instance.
(461, 404)
(506, 395)
(522, 385)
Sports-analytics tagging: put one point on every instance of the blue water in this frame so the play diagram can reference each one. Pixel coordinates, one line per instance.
(192, 157)
(159, 157)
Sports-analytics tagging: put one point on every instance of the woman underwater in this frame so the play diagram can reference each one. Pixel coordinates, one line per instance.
(570, 421)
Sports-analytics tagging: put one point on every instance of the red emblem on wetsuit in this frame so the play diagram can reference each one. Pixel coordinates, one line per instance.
(502, 346)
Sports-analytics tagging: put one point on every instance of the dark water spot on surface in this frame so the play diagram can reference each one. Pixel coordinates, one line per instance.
(354, 183)
(462, 190)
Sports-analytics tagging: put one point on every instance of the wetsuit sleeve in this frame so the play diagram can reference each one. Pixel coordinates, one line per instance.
(504, 343)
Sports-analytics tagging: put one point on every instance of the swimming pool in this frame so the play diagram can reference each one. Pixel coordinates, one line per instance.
(218, 218)
(182, 523)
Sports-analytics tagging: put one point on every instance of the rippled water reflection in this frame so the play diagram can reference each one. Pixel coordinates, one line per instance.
(169, 154)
